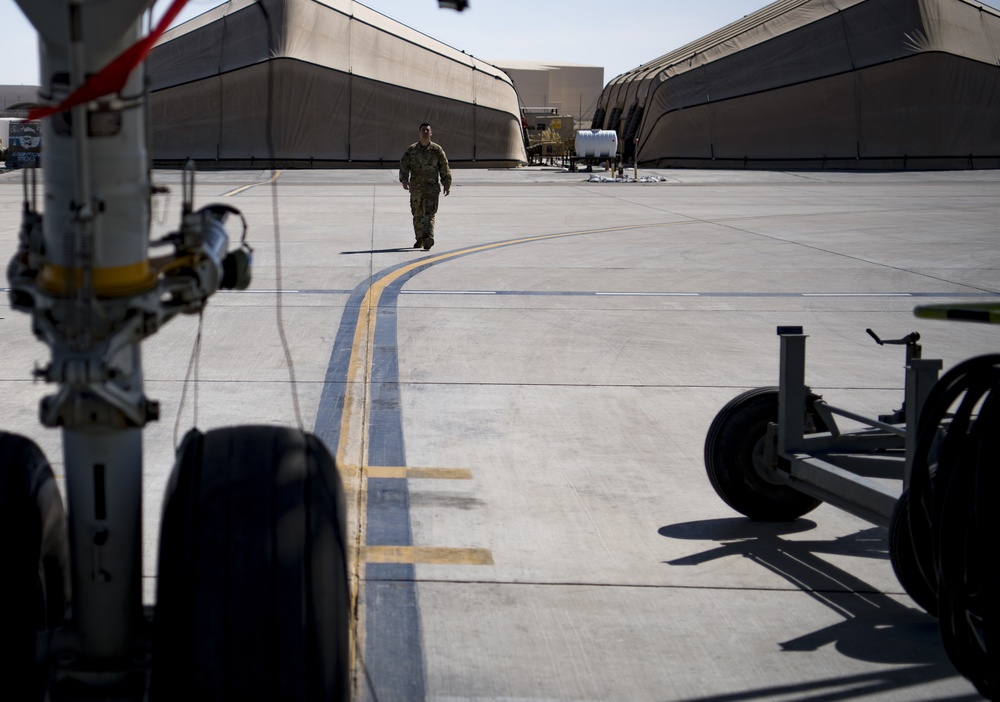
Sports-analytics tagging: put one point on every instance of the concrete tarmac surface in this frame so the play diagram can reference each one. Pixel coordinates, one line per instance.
(519, 414)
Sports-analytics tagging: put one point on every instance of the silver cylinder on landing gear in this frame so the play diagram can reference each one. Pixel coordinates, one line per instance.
(115, 170)
(104, 474)
(95, 230)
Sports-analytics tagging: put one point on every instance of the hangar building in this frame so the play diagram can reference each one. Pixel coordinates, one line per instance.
(848, 84)
(562, 88)
(321, 83)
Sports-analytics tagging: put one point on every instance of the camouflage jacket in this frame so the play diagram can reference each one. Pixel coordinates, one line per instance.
(420, 166)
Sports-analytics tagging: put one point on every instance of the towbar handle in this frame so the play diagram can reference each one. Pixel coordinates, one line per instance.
(911, 338)
(913, 350)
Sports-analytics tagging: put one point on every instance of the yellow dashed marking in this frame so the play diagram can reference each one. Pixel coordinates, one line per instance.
(404, 473)
(353, 424)
(427, 555)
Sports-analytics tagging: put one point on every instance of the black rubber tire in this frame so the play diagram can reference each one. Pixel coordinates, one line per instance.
(252, 594)
(35, 556)
(734, 442)
(905, 563)
(953, 492)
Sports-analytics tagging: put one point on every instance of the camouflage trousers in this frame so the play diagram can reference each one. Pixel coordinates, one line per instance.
(423, 206)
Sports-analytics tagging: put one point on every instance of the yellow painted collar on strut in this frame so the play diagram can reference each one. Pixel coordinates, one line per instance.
(117, 281)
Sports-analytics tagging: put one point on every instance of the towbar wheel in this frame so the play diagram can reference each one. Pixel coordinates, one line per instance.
(734, 459)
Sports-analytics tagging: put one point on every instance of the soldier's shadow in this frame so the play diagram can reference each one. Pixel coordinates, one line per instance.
(875, 627)
(401, 249)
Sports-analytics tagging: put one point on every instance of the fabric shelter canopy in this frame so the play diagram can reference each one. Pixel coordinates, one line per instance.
(321, 83)
(821, 83)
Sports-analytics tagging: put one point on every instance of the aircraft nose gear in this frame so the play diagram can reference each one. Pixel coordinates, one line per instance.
(74, 625)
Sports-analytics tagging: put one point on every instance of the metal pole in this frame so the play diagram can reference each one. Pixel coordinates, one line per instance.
(921, 375)
(791, 391)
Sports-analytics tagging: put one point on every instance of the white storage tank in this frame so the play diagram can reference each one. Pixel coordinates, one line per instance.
(596, 143)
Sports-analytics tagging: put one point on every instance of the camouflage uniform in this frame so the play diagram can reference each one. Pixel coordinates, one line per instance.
(421, 166)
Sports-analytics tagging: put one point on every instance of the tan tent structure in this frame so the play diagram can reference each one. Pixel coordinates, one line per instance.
(848, 84)
(321, 83)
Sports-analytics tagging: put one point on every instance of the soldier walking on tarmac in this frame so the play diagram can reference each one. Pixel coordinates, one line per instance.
(419, 169)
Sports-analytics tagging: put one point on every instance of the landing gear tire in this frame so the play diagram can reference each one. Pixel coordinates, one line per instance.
(904, 559)
(734, 459)
(253, 600)
(35, 554)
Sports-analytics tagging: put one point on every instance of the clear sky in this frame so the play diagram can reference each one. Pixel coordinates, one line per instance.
(615, 34)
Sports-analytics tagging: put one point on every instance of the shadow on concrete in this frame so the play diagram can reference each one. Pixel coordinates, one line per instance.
(864, 686)
(401, 249)
(876, 628)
